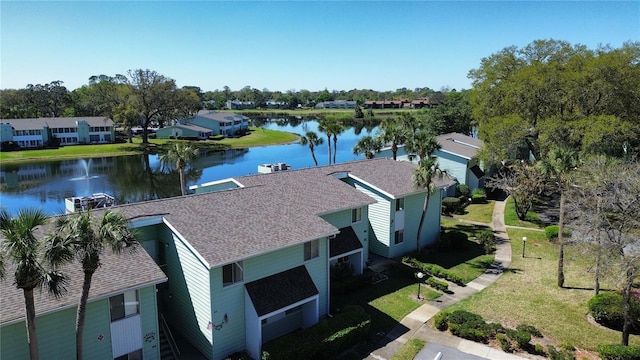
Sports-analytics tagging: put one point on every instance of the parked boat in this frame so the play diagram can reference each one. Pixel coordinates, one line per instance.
(84, 203)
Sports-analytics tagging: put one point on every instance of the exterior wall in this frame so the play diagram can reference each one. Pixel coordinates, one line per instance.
(169, 131)
(230, 300)
(343, 219)
(453, 165)
(56, 332)
(206, 123)
(379, 215)
(83, 132)
(187, 299)
(6, 132)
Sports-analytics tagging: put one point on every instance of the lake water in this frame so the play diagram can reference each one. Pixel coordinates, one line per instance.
(142, 177)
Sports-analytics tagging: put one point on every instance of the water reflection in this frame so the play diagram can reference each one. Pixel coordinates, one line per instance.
(136, 178)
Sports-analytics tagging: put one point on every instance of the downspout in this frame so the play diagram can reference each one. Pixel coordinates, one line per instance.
(328, 281)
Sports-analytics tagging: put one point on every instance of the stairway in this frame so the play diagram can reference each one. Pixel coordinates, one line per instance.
(165, 349)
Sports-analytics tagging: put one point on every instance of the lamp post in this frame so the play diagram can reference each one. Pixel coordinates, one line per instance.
(419, 276)
(524, 244)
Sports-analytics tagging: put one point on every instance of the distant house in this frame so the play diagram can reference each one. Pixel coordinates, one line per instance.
(458, 155)
(205, 124)
(336, 104)
(240, 105)
(35, 133)
(121, 318)
(386, 104)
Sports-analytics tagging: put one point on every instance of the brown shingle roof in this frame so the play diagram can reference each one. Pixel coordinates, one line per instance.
(117, 274)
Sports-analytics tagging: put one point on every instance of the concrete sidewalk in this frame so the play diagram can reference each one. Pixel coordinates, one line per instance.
(413, 325)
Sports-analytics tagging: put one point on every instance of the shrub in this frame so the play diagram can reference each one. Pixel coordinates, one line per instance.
(607, 309)
(323, 339)
(454, 240)
(469, 326)
(522, 339)
(505, 344)
(451, 205)
(488, 241)
(559, 355)
(551, 232)
(618, 352)
(479, 196)
(441, 321)
(538, 349)
(434, 270)
(529, 329)
(438, 284)
(462, 190)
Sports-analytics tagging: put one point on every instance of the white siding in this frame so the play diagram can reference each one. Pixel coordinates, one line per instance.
(126, 335)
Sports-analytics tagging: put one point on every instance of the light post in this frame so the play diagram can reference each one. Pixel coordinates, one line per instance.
(419, 276)
(524, 244)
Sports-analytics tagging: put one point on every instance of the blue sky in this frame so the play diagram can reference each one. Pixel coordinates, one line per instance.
(291, 45)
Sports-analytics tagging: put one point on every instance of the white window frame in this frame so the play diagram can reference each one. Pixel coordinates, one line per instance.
(356, 215)
(311, 249)
(237, 273)
(130, 301)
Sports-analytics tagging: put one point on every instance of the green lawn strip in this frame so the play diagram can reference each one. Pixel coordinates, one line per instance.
(388, 301)
(409, 350)
(256, 137)
(527, 293)
(511, 219)
(478, 212)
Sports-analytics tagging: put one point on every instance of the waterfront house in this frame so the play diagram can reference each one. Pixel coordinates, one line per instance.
(205, 124)
(121, 318)
(38, 132)
(336, 104)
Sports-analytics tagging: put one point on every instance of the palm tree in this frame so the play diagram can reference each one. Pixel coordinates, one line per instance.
(86, 240)
(323, 127)
(367, 145)
(180, 154)
(423, 143)
(423, 179)
(335, 129)
(311, 139)
(557, 166)
(394, 134)
(31, 259)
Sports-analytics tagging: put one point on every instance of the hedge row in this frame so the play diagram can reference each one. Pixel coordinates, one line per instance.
(618, 352)
(434, 270)
(324, 339)
(437, 284)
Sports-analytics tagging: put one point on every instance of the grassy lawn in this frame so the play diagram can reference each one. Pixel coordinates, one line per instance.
(527, 293)
(478, 212)
(256, 137)
(409, 350)
(388, 301)
(511, 219)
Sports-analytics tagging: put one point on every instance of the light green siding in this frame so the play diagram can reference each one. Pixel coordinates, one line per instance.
(342, 219)
(207, 123)
(455, 166)
(169, 131)
(187, 297)
(56, 332)
(379, 215)
(230, 300)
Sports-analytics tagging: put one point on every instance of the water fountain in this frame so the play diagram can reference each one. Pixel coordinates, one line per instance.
(85, 167)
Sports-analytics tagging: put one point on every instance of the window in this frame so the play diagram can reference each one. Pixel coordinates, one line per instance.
(124, 305)
(356, 215)
(399, 237)
(399, 204)
(232, 273)
(311, 249)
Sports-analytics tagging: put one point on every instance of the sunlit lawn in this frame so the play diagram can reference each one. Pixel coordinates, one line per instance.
(478, 212)
(528, 293)
(388, 301)
(409, 350)
(511, 219)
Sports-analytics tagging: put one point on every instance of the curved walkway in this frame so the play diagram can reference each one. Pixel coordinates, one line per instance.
(414, 324)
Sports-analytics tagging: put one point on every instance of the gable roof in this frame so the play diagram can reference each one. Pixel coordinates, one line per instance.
(56, 122)
(459, 144)
(221, 116)
(116, 274)
(280, 290)
(189, 126)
